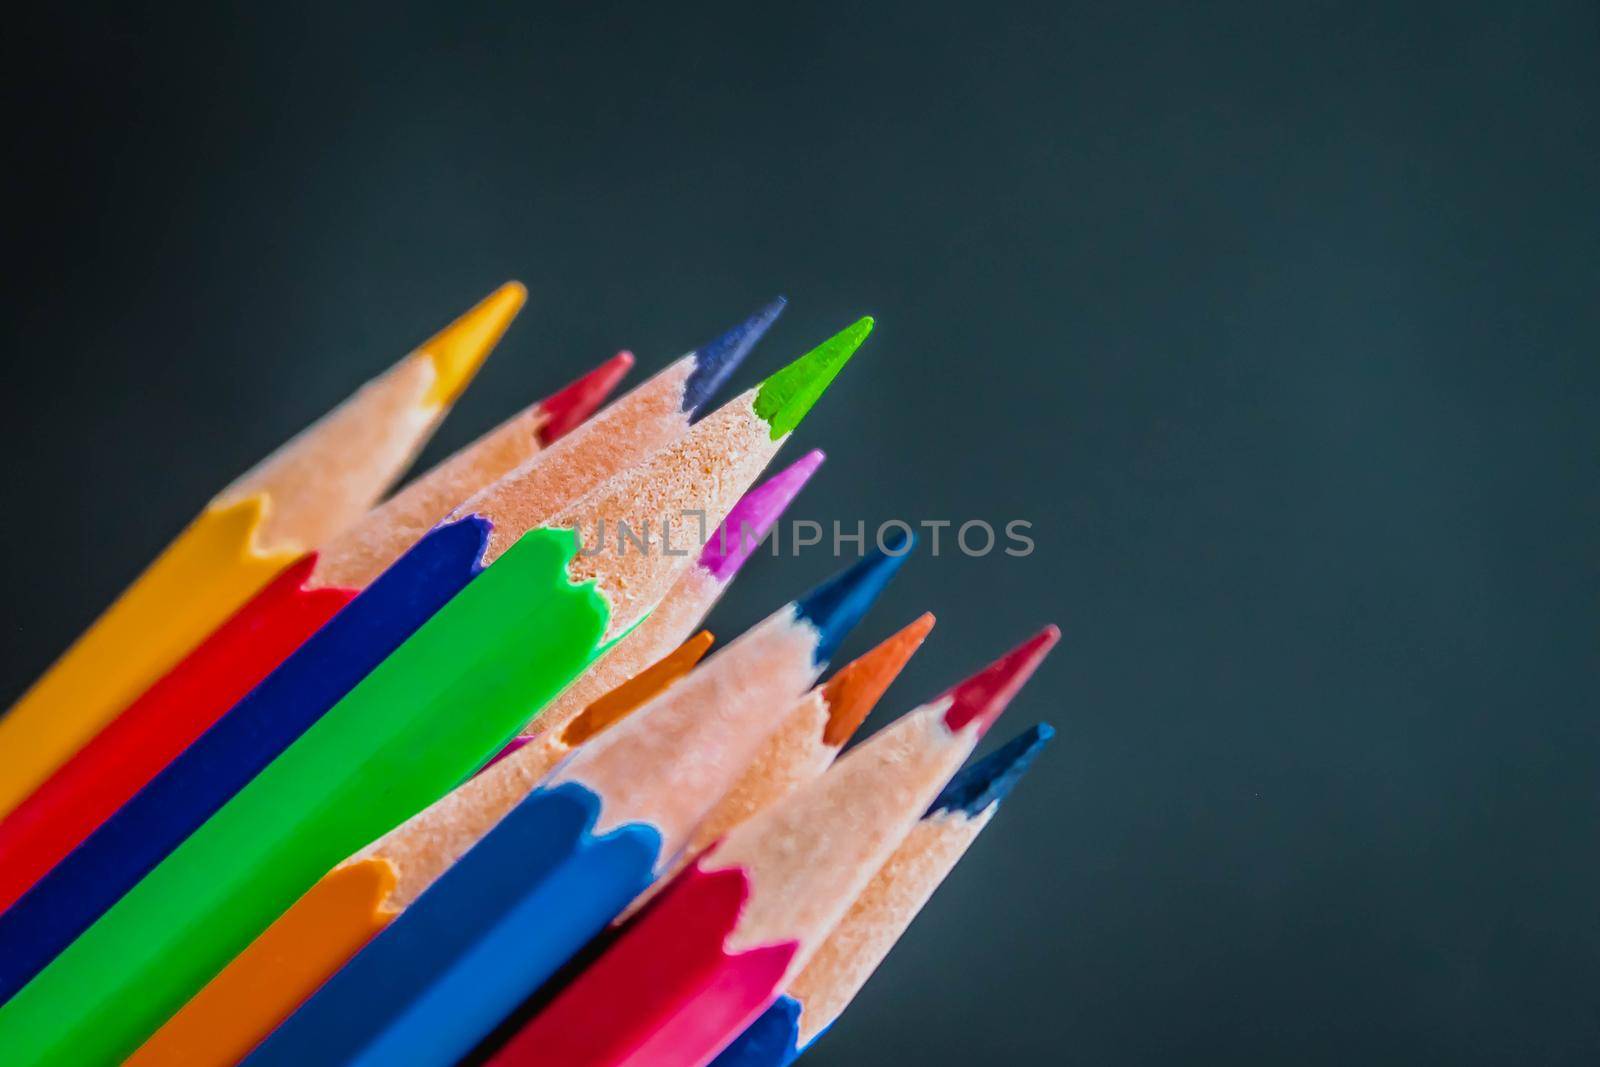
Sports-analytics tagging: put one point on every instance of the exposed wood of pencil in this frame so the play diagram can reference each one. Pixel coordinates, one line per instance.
(889, 903)
(646, 419)
(808, 858)
(332, 472)
(666, 499)
(355, 900)
(426, 845)
(360, 553)
(690, 598)
(809, 738)
(302, 494)
(669, 762)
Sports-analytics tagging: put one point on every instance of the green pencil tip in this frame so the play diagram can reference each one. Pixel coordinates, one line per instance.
(786, 396)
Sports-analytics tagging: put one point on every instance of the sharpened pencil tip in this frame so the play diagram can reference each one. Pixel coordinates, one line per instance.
(992, 778)
(835, 606)
(981, 698)
(750, 519)
(770, 1041)
(786, 397)
(715, 361)
(460, 348)
(566, 410)
(857, 687)
(633, 694)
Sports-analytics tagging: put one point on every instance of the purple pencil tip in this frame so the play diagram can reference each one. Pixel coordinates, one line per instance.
(753, 516)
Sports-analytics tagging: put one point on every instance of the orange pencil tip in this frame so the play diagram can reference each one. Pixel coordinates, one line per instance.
(982, 697)
(856, 688)
(637, 691)
(567, 409)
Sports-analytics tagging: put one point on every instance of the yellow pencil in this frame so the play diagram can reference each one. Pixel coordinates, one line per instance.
(312, 487)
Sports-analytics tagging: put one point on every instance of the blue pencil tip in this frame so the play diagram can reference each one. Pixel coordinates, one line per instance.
(990, 779)
(770, 1041)
(835, 606)
(715, 361)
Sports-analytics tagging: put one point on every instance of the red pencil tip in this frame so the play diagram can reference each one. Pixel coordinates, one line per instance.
(985, 695)
(565, 410)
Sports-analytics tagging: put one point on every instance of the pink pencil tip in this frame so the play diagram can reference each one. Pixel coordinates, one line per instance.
(753, 516)
(982, 697)
(565, 410)
(511, 746)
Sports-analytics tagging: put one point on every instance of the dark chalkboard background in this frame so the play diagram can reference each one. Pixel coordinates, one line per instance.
(1278, 322)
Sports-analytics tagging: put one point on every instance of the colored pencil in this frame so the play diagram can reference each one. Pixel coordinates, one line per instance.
(686, 975)
(167, 718)
(819, 994)
(244, 740)
(811, 735)
(285, 614)
(602, 713)
(365, 550)
(298, 497)
(514, 637)
(350, 904)
(570, 855)
(648, 418)
(686, 604)
(804, 743)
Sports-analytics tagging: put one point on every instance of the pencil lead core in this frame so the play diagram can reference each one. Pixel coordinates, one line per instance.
(715, 361)
(835, 606)
(857, 687)
(566, 410)
(786, 397)
(460, 348)
(991, 779)
(982, 697)
(741, 532)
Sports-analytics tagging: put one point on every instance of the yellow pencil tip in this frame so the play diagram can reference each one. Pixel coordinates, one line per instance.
(460, 348)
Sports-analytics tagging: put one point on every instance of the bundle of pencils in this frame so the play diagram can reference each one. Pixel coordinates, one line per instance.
(431, 777)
